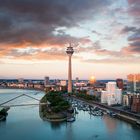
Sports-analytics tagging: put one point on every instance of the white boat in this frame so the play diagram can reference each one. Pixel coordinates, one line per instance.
(105, 113)
(72, 119)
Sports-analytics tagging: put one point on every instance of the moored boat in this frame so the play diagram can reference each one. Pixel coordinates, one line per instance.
(72, 119)
(113, 114)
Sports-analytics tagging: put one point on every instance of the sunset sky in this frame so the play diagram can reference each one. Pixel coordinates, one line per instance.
(34, 35)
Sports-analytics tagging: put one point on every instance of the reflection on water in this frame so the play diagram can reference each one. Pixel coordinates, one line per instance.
(57, 125)
(110, 123)
(69, 131)
(24, 123)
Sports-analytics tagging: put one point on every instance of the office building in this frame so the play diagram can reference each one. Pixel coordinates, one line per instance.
(120, 84)
(20, 80)
(76, 80)
(46, 81)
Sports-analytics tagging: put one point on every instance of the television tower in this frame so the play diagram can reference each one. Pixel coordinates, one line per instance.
(69, 51)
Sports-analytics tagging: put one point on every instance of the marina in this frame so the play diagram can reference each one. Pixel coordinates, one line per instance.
(97, 110)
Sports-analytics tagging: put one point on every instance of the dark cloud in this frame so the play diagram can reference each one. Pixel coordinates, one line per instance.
(95, 32)
(127, 29)
(134, 9)
(136, 49)
(129, 51)
(134, 36)
(133, 41)
(133, 48)
(136, 44)
(96, 48)
(35, 20)
(5, 23)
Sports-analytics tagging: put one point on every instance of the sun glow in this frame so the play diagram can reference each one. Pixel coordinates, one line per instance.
(92, 80)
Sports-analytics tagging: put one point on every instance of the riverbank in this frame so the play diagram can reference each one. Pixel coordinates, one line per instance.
(56, 109)
(51, 117)
(124, 115)
(35, 89)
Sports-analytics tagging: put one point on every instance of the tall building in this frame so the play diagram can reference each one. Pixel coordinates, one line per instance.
(46, 81)
(69, 51)
(133, 83)
(20, 80)
(120, 83)
(76, 80)
(112, 95)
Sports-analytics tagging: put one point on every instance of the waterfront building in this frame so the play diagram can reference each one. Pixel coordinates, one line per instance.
(120, 83)
(80, 84)
(76, 80)
(20, 80)
(38, 86)
(112, 95)
(126, 102)
(3, 84)
(63, 83)
(99, 86)
(46, 81)
(90, 92)
(135, 107)
(69, 51)
(30, 85)
(93, 92)
(21, 85)
(56, 82)
(133, 83)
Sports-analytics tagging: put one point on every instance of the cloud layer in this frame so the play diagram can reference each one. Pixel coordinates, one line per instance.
(35, 20)
(36, 29)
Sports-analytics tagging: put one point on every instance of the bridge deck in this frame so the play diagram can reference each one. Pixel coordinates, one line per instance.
(16, 105)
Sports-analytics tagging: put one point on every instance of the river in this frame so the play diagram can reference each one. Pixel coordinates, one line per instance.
(24, 123)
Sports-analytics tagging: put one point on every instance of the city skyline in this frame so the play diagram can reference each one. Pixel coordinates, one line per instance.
(35, 34)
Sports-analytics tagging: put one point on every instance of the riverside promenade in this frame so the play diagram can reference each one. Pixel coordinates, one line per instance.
(121, 114)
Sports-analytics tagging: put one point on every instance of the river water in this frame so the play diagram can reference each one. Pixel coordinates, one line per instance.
(24, 123)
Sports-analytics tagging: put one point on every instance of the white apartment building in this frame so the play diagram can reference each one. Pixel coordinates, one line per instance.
(112, 95)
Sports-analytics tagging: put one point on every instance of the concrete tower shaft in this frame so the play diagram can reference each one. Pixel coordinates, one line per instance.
(69, 51)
